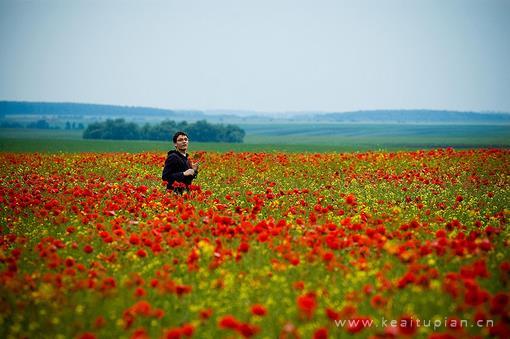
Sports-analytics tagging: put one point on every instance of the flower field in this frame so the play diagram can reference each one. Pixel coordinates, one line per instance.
(266, 245)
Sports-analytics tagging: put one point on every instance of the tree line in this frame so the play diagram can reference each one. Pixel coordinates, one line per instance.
(76, 109)
(41, 124)
(201, 131)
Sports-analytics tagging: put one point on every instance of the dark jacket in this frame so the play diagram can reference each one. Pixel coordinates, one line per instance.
(175, 165)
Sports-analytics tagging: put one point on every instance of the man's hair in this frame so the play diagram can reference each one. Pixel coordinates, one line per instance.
(176, 135)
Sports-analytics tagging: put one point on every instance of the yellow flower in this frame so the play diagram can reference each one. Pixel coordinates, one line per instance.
(205, 247)
(79, 309)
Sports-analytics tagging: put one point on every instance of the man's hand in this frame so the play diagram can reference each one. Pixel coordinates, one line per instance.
(195, 166)
(189, 171)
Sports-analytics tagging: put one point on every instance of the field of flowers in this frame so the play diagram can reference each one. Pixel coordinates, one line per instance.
(270, 245)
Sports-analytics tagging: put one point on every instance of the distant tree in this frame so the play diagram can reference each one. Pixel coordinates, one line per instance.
(94, 131)
(68, 125)
(234, 134)
(199, 131)
(145, 131)
(10, 124)
(164, 131)
(182, 126)
(203, 131)
(119, 129)
(39, 124)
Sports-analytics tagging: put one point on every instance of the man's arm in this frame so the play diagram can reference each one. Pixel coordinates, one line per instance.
(195, 168)
(169, 172)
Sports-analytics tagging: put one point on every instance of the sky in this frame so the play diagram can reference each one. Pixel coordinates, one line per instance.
(260, 55)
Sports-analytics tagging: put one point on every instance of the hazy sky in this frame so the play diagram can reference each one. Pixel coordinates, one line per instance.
(266, 55)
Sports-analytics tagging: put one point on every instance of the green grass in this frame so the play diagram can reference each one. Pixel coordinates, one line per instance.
(384, 142)
(279, 137)
(134, 146)
(376, 130)
(29, 133)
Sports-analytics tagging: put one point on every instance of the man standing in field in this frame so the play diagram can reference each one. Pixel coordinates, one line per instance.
(178, 171)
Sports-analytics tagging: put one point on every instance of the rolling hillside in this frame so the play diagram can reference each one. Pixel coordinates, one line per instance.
(12, 109)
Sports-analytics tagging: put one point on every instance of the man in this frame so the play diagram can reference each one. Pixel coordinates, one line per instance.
(178, 171)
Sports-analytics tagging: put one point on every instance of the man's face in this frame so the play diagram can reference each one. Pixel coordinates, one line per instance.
(181, 143)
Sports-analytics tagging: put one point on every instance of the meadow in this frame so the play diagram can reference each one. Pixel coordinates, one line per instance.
(265, 244)
(283, 137)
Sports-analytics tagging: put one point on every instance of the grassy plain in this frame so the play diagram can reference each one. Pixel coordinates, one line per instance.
(293, 137)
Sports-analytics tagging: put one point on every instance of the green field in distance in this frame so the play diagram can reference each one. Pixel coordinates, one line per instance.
(297, 137)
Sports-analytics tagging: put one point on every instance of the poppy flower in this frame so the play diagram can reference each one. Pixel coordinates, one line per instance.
(100, 322)
(407, 325)
(140, 333)
(182, 289)
(206, 313)
(321, 333)
(134, 239)
(248, 330)
(259, 310)
(244, 247)
(139, 292)
(141, 253)
(229, 322)
(307, 304)
(173, 333)
(332, 314)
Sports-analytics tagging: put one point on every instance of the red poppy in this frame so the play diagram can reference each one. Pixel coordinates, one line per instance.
(229, 321)
(407, 325)
(140, 333)
(321, 333)
(332, 314)
(244, 247)
(259, 310)
(134, 239)
(248, 330)
(307, 304)
(187, 330)
(182, 289)
(499, 302)
(69, 262)
(206, 314)
(350, 200)
(143, 307)
(87, 335)
(328, 256)
(299, 285)
(139, 292)
(173, 333)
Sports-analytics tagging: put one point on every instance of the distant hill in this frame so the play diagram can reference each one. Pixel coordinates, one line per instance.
(78, 109)
(98, 112)
(414, 116)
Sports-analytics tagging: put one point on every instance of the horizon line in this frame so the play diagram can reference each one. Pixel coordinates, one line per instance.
(260, 111)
